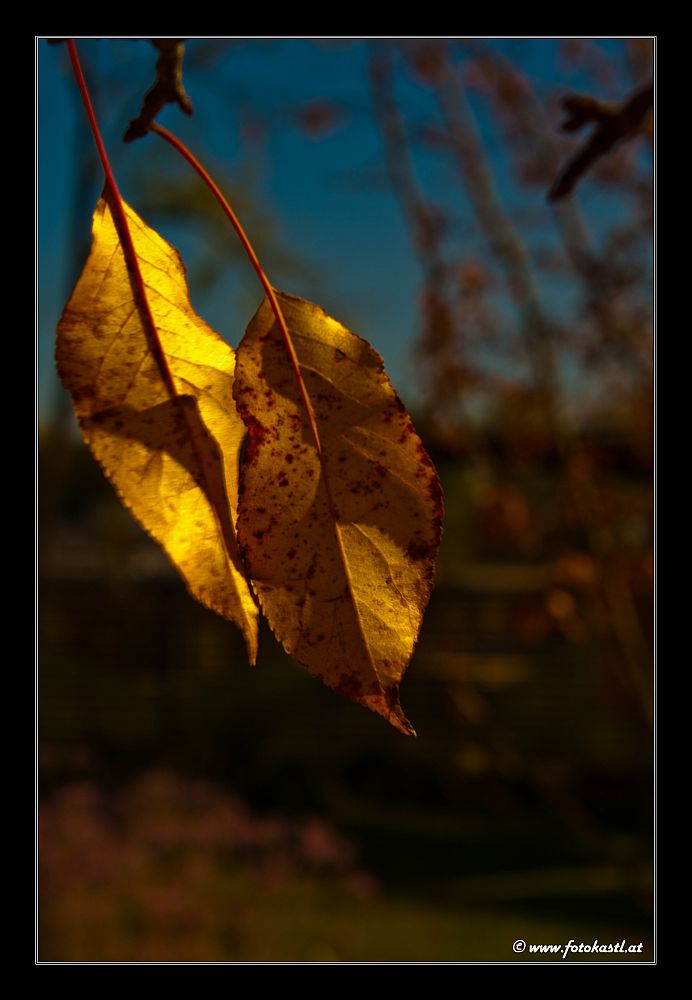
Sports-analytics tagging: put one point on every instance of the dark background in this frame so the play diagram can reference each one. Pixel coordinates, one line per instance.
(194, 808)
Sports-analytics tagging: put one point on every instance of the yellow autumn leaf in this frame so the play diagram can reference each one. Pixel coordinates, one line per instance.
(157, 410)
(340, 507)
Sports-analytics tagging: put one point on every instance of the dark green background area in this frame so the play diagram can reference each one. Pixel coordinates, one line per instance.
(523, 808)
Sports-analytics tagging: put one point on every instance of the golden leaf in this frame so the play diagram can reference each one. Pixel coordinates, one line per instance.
(339, 513)
(156, 408)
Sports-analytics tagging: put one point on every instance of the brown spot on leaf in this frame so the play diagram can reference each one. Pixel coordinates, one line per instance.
(418, 549)
(332, 561)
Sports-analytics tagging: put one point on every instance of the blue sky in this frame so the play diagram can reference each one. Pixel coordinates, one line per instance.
(327, 198)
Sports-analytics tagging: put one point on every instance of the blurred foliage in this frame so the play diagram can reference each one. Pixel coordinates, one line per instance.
(170, 869)
(524, 803)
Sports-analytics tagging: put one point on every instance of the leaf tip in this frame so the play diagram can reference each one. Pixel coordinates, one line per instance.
(387, 705)
(400, 722)
(251, 646)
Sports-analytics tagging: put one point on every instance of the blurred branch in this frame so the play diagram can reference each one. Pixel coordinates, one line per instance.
(599, 280)
(614, 125)
(526, 127)
(438, 341)
(529, 112)
(398, 160)
(503, 239)
(167, 89)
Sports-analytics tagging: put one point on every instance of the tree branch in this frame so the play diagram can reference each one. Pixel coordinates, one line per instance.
(613, 125)
(167, 89)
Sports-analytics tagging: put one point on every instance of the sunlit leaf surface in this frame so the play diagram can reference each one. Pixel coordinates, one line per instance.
(169, 445)
(340, 507)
